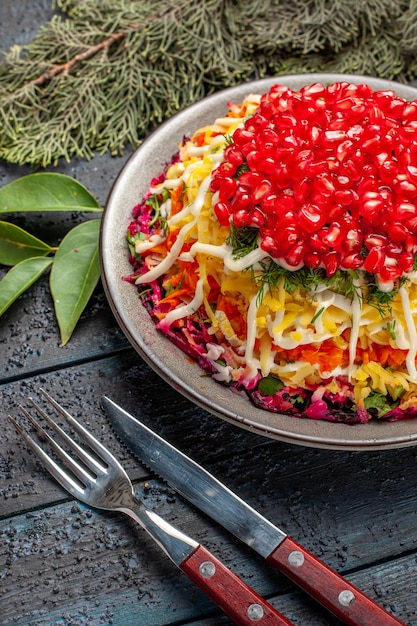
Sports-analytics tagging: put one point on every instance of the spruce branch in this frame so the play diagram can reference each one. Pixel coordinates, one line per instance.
(99, 78)
(78, 58)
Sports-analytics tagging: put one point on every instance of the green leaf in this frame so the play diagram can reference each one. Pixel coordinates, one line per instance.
(75, 274)
(377, 404)
(20, 278)
(269, 385)
(17, 244)
(46, 192)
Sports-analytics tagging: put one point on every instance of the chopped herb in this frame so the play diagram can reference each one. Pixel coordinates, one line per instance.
(380, 300)
(345, 282)
(132, 239)
(317, 315)
(243, 240)
(390, 327)
(243, 168)
(270, 385)
(377, 404)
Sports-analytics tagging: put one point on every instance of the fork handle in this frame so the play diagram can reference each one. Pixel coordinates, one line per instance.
(239, 601)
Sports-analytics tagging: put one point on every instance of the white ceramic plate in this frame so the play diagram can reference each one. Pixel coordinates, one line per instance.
(165, 358)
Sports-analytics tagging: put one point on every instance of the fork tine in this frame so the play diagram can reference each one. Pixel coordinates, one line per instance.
(94, 444)
(90, 461)
(64, 479)
(75, 467)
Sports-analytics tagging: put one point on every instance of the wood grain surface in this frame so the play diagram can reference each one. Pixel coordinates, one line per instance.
(63, 563)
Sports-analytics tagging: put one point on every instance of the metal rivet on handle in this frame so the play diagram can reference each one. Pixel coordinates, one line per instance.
(207, 569)
(296, 558)
(255, 612)
(346, 597)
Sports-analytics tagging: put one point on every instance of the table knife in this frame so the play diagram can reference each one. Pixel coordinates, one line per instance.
(335, 593)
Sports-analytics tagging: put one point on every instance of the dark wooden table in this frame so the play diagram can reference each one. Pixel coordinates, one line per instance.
(62, 563)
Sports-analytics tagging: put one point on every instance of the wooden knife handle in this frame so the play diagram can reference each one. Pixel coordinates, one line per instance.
(333, 591)
(239, 601)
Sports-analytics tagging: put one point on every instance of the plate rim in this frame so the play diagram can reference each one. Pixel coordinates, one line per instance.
(383, 434)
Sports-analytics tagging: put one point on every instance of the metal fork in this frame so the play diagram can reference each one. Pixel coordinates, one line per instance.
(97, 478)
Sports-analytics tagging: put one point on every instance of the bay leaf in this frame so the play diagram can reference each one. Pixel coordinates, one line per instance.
(20, 278)
(46, 191)
(74, 275)
(16, 245)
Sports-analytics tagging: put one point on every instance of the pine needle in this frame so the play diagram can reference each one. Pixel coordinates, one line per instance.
(99, 76)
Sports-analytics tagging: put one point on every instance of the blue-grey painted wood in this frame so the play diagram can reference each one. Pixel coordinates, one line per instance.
(61, 563)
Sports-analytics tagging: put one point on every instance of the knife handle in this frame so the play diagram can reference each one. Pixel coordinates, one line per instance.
(333, 591)
(239, 601)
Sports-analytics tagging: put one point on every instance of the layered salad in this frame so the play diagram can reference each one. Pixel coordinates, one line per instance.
(278, 250)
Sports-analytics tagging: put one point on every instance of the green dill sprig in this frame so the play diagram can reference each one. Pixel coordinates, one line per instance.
(268, 275)
(242, 240)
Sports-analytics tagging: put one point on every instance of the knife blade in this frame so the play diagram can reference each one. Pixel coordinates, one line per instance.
(206, 492)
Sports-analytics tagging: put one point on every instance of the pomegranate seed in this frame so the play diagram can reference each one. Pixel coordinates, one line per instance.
(249, 180)
(407, 188)
(268, 136)
(331, 136)
(336, 213)
(241, 218)
(375, 260)
(351, 170)
(315, 89)
(256, 123)
(325, 184)
(371, 240)
(406, 262)
(227, 189)
(301, 190)
(411, 223)
(410, 244)
(397, 232)
(355, 131)
(331, 171)
(412, 172)
(344, 196)
(388, 273)
(352, 261)
(226, 169)
(312, 259)
(286, 203)
(311, 218)
(248, 147)
(233, 155)
(332, 235)
(353, 241)
(257, 218)
(315, 168)
(241, 137)
(269, 245)
(371, 145)
(316, 243)
(241, 200)
(393, 250)
(331, 262)
(295, 254)
(222, 212)
(253, 158)
(344, 149)
(261, 191)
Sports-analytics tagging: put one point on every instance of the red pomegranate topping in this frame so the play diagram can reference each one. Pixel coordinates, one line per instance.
(328, 175)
